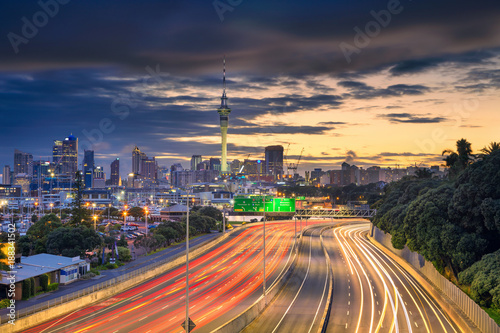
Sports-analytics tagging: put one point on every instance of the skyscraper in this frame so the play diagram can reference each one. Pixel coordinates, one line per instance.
(23, 163)
(215, 164)
(149, 168)
(224, 112)
(115, 172)
(88, 167)
(99, 179)
(274, 161)
(195, 160)
(65, 156)
(6, 175)
(137, 157)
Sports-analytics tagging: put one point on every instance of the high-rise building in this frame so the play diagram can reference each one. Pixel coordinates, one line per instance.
(195, 160)
(99, 179)
(274, 161)
(137, 157)
(65, 156)
(149, 168)
(115, 172)
(215, 164)
(235, 166)
(23, 163)
(224, 112)
(88, 167)
(6, 175)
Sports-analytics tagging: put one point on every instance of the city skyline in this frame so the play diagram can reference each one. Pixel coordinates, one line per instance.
(329, 94)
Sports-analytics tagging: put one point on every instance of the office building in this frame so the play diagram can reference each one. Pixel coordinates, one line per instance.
(215, 164)
(115, 172)
(274, 161)
(195, 160)
(88, 167)
(65, 156)
(148, 169)
(23, 163)
(99, 179)
(137, 157)
(6, 180)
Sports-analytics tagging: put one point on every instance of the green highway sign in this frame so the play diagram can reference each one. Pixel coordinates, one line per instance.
(255, 204)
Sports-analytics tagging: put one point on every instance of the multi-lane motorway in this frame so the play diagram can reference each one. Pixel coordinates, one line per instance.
(300, 304)
(223, 282)
(371, 293)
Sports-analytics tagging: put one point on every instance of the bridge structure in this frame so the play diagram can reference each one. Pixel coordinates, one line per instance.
(335, 213)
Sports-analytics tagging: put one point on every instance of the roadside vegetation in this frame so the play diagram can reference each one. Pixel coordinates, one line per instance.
(454, 223)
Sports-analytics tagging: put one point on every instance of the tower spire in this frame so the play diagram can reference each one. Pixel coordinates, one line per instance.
(224, 75)
(224, 112)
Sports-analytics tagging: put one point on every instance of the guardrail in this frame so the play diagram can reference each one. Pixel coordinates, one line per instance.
(472, 310)
(106, 284)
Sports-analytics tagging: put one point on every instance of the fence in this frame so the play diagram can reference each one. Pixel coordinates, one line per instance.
(478, 316)
(106, 284)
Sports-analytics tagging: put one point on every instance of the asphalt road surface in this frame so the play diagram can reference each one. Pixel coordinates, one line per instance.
(300, 304)
(223, 282)
(372, 293)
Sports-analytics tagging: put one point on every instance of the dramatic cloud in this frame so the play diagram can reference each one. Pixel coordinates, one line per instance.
(411, 118)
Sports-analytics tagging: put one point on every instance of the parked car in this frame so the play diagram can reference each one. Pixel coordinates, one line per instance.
(253, 220)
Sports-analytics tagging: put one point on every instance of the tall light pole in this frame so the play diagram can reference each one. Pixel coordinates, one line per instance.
(93, 208)
(264, 241)
(125, 215)
(51, 205)
(95, 222)
(146, 212)
(186, 323)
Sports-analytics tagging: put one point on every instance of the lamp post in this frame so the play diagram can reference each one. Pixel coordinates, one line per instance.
(264, 246)
(146, 212)
(109, 209)
(186, 323)
(95, 222)
(51, 205)
(93, 208)
(125, 215)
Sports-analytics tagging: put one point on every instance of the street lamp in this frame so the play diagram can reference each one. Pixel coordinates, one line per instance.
(146, 212)
(51, 205)
(95, 220)
(264, 246)
(124, 218)
(186, 323)
(93, 208)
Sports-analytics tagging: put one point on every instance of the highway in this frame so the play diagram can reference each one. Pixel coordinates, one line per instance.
(372, 293)
(223, 282)
(300, 304)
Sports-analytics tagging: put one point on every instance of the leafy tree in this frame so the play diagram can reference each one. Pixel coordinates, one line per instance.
(34, 218)
(122, 241)
(71, 242)
(80, 215)
(136, 212)
(459, 160)
(3, 258)
(208, 211)
(422, 173)
(44, 226)
(488, 150)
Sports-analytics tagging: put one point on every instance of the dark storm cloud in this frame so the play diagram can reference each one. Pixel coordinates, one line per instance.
(360, 90)
(258, 36)
(411, 118)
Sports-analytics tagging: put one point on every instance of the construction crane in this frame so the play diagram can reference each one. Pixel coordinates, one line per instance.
(295, 166)
(285, 160)
(241, 169)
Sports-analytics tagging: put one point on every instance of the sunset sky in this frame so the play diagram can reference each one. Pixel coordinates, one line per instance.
(426, 76)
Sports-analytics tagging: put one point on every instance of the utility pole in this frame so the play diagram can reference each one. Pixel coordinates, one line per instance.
(186, 323)
(264, 244)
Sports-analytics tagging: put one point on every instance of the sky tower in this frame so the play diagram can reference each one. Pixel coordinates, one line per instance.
(224, 112)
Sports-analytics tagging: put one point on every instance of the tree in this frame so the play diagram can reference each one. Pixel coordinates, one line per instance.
(71, 242)
(148, 243)
(459, 160)
(122, 241)
(80, 215)
(44, 226)
(488, 150)
(209, 211)
(136, 212)
(422, 173)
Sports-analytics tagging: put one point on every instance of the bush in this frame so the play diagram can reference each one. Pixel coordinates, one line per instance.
(53, 286)
(95, 271)
(111, 266)
(4, 303)
(44, 281)
(39, 289)
(26, 288)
